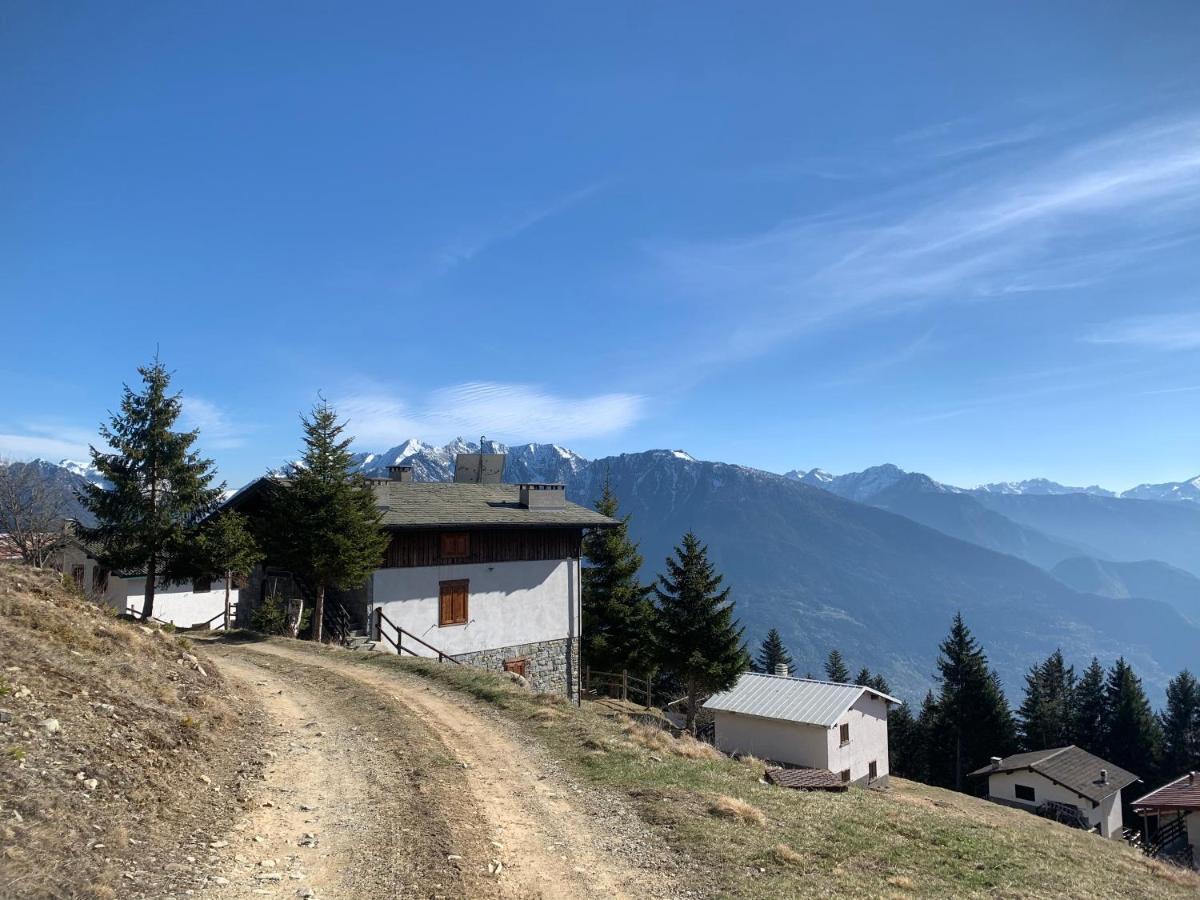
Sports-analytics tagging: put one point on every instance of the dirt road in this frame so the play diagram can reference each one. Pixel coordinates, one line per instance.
(381, 785)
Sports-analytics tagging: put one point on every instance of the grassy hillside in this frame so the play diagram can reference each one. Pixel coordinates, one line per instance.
(108, 728)
(753, 840)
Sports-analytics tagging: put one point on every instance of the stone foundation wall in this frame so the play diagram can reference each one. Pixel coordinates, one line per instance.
(549, 668)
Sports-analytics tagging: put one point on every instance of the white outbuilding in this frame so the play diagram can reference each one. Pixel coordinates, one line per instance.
(824, 734)
(1067, 784)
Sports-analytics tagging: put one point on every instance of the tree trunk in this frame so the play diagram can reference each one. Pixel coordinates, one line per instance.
(318, 617)
(228, 578)
(690, 724)
(294, 625)
(148, 600)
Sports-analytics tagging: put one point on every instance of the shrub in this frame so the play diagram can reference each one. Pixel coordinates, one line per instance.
(271, 616)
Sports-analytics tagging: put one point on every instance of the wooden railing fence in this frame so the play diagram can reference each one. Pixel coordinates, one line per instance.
(377, 631)
(618, 684)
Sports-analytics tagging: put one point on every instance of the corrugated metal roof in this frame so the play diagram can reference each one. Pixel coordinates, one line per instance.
(1182, 793)
(1072, 767)
(801, 700)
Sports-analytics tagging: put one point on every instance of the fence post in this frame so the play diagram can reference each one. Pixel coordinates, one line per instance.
(625, 685)
(587, 674)
(649, 692)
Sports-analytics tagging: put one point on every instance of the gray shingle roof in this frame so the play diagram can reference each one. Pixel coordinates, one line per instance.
(1182, 793)
(422, 504)
(806, 779)
(1072, 767)
(800, 700)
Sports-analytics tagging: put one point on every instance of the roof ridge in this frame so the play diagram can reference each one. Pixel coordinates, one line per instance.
(848, 684)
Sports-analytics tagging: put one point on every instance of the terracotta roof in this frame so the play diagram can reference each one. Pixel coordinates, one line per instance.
(1182, 793)
(1072, 767)
(806, 779)
(802, 700)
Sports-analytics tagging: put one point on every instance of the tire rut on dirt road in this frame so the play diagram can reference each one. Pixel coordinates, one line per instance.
(485, 814)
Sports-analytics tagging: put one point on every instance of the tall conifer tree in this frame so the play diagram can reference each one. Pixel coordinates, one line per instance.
(323, 522)
(973, 721)
(158, 487)
(699, 641)
(618, 614)
(1047, 713)
(772, 653)
(1181, 725)
(1091, 710)
(835, 667)
(1133, 736)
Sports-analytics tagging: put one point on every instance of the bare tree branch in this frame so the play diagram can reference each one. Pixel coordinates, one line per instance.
(32, 513)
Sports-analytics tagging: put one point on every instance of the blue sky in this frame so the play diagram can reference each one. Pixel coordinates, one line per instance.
(958, 237)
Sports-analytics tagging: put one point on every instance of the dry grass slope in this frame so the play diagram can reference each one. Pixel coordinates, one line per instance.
(911, 841)
(110, 727)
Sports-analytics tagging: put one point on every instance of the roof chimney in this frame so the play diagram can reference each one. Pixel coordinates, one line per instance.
(543, 496)
(1191, 778)
(996, 760)
(401, 471)
(1104, 776)
(781, 669)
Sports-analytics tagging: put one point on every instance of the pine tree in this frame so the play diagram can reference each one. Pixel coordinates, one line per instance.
(922, 745)
(835, 667)
(1134, 739)
(158, 487)
(699, 641)
(225, 547)
(1091, 710)
(973, 721)
(903, 742)
(772, 653)
(1046, 714)
(618, 615)
(1181, 725)
(866, 679)
(323, 521)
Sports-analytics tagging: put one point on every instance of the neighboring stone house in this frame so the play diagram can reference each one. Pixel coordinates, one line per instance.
(835, 733)
(1171, 817)
(1065, 783)
(485, 573)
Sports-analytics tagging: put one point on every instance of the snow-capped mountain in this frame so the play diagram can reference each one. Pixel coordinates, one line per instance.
(863, 486)
(1042, 487)
(86, 471)
(1170, 492)
(528, 462)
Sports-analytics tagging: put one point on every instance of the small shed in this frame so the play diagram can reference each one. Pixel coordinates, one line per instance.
(1064, 783)
(839, 729)
(1173, 811)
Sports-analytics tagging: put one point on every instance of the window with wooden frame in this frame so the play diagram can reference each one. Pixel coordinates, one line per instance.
(844, 734)
(845, 776)
(872, 771)
(1024, 792)
(519, 665)
(455, 544)
(452, 603)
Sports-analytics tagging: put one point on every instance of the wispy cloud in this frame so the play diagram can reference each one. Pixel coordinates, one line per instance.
(52, 441)
(1170, 331)
(512, 412)
(1040, 224)
(470, 244)
(217, 428)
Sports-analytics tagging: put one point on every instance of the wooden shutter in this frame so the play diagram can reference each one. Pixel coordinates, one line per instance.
(452, 602)
(519, 665)
(455, 544)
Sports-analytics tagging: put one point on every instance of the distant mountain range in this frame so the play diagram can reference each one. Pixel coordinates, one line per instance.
(876, 562)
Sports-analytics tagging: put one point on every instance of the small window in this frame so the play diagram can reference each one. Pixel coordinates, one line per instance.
(1024, 792)
(201, 585)
(519, 665)
(872, 771)
(452, 603)
(845, 734)
(845, 776)
(455, 544)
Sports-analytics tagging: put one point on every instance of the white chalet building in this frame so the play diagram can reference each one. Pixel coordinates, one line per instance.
(822, 733)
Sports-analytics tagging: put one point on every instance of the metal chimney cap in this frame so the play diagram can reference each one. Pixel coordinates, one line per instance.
(781, 669)
(1104, 776)
(996, 760)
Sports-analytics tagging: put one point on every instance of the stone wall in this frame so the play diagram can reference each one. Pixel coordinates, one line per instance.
(548, 667)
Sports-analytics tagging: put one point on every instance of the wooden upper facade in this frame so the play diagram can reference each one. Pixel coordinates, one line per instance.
(410, 548)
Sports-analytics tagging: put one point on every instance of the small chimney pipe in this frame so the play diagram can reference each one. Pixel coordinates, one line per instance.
(781, 669)
(996, 760)
(400, 472)
(1104, 776)
(1191, 778)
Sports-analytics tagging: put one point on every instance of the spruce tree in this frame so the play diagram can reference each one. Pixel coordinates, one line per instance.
(835, 667)
(921, 745)
(618, 615)
(973, 720)
(225, 547)
(1134, 739)
(699, 641)
(158, 487)
(1091, 710)
(903, 742)
(866, 679)
(1181, 726)
(1046, 714)
(772, 653)
(323, 520)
